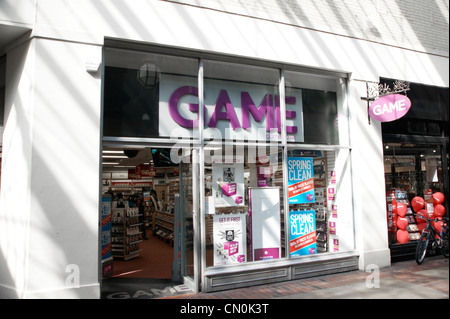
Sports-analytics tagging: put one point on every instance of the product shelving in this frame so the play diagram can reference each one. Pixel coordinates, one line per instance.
(412, 228)
(125, 233)
(164, 227)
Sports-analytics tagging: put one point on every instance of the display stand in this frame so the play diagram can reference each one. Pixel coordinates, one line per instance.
(412, 229)
(125, 232)
(321, 231)
(178, 249)
(265, 226)
(164, 226)
(107, 259)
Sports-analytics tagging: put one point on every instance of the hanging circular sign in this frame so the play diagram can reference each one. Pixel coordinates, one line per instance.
(389, 107)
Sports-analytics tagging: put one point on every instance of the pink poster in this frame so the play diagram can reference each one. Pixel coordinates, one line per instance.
(228, 183)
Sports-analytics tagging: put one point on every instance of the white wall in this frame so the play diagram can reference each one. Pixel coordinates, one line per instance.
(279, 32)
(16, 171)
(369, 196)
(193, 27)
(50, 193)
(409, 24)
(19, 12)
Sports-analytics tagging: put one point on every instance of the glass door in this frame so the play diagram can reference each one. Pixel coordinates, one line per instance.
(188, 242)
(411, 169)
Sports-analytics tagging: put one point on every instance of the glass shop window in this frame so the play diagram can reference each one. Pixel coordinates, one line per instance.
(316, 99)
(244, 205)
(243, 177)
(140, 88)
(319, 197)
(241, 102)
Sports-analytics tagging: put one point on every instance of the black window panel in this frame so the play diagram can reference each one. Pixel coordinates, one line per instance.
(130, 108)
(319, 117)
(427, 102)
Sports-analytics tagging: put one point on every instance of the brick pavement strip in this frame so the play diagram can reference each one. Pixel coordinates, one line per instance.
(431, 278)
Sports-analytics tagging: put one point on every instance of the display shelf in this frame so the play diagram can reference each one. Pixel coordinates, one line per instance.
(321, 206)
(400, 196)
(164, 227)
(412, 228)
(125, 233)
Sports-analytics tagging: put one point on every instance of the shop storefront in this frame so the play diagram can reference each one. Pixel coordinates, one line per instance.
(211, 144)
(416, 164)
(264, 183)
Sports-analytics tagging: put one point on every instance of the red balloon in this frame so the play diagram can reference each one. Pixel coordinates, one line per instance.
(402, 236)
(402, 223)
(423, 213)
(439, 210)
(417, 203)
(401, 209)
(438, 225)
(421, 226)
(438, 198)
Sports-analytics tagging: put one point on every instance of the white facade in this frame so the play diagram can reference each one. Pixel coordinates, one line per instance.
(50, 187)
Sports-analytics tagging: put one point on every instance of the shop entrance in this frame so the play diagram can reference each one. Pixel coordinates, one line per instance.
(412, 169)
(147, 239)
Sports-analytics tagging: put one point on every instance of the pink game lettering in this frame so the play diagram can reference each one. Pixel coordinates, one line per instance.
(389, 107)
(225, 111)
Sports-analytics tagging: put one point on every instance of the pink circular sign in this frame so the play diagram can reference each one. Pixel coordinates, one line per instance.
(389, 107)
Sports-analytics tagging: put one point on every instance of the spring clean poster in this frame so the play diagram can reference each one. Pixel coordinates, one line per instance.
(300, 180)
(302, 233)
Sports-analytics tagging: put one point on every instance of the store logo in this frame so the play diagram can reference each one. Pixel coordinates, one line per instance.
(267, 108)
(389, 107)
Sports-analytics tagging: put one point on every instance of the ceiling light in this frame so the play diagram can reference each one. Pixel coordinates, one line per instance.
(114, 156)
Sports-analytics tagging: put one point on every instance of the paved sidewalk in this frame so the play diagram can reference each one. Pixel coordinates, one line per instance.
(403, 280)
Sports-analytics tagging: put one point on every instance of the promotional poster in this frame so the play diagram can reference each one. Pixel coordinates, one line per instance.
(106, 227)
(229, 239)
(228, 184)
(302, 233)
(300, 180)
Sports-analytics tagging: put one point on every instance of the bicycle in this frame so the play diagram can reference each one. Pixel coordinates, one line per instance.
(438, 239)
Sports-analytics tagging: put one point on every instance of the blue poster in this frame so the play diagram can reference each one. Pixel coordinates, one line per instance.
(300, 180)
(302, 233)
(106, 227)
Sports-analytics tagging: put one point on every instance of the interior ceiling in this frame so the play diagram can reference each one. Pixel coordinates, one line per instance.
(143, 156)
(410, 149)
(123, 160)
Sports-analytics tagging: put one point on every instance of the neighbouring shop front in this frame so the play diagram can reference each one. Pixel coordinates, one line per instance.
(416, 163)
(253, 187)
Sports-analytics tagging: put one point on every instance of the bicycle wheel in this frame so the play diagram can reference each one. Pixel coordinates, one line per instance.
(444, 247)
(421, 248)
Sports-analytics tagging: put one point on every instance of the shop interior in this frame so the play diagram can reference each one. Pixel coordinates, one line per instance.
(411, 170)
(142, 184)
